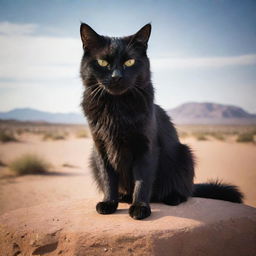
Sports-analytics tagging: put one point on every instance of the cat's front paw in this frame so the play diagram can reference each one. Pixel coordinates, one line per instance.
(139, 211)
(106, 207)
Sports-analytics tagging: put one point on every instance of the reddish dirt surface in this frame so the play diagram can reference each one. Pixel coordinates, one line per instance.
(196, 228)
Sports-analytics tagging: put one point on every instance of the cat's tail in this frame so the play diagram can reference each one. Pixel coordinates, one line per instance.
(218, 190)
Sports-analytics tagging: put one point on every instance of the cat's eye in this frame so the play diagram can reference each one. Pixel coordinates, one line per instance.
(129, 62)
(102, 63)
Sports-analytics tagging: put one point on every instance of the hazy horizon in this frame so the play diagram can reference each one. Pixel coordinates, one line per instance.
(200, 51)
(80, 110)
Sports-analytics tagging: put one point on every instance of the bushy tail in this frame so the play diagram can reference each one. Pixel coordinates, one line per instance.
(218, 190)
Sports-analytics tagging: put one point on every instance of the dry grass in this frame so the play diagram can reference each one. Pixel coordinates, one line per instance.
(217, 135)
(2, 164)
(245, 137)
(29, 164)
(68, 165)
(200, 136)
(7, 136)
(218, 132)
(83, 133)
(54, 136)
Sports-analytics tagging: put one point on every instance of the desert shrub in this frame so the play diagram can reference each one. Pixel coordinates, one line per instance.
(29, 164)
(6, 136)
(2, 164)
(53, 136)
(19, 131)
(200, 136)
(83, 133)
(245, 137)
(218, 135)
(68, 165)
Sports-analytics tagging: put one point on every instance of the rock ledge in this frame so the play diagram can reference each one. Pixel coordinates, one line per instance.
(197, 227)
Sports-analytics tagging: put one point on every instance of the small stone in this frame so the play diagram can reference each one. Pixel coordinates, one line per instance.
(15, 246)
(105, 249)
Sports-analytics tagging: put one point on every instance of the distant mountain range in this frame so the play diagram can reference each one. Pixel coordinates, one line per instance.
(210, 113)
(188, 113)
(29, 114)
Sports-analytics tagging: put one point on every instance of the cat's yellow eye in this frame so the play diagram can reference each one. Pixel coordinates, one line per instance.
(102, 63)
(129, 62)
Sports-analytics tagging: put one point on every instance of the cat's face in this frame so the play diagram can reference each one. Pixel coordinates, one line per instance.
(115, 64)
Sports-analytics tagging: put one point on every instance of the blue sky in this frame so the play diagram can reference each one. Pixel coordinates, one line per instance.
(200, 50)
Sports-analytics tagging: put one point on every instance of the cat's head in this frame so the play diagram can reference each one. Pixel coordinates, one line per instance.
(115, 64)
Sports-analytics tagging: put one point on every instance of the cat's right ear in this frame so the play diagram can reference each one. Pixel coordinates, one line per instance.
(142, 36)
(89, 37)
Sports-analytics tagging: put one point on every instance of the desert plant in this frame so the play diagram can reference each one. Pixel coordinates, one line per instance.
(6, 136)
(245, 137)
(200, 136)
(2, 164)
(217, 135)
(53, 136)
(29, 164)
(82, 133)
(68, 165)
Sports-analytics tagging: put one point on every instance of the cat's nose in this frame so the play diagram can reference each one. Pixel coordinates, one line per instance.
(116, 75)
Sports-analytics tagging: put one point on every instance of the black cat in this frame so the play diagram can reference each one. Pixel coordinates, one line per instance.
(137, 156)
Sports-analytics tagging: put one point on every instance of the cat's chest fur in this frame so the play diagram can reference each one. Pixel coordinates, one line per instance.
(118, 129)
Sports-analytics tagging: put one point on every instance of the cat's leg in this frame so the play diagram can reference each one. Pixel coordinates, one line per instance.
(144, 172)
(110, 189)
(182, 176)
(108, 184)
(124, 198)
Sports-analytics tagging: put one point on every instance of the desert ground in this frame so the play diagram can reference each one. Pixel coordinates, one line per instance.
(67, 149)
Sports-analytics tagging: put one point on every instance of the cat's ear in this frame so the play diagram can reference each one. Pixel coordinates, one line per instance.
(143, 34)
(89, 37)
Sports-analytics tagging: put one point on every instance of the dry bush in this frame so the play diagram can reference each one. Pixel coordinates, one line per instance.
(217, 135)
(53, 136)
(29, 164)
(7, 136)
(245, 137)
(200, 136)
(2, 164)
(68, 165)
(84, 133)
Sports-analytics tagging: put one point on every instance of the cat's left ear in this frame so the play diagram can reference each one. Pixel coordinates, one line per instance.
(142, 36)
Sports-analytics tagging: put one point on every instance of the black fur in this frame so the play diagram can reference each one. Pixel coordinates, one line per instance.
(137, 156)
(218, 190)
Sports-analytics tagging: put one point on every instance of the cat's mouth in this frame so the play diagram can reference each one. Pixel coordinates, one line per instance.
(116, 88)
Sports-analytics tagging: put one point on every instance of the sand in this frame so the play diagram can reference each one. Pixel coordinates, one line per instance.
(232, 162)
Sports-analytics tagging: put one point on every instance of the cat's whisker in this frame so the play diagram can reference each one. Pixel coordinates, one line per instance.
(94, 94)
(101, 94)
(97, 93)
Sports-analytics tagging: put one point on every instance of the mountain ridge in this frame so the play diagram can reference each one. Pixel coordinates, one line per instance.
(186, 113)
(30, 114)
(210, 113)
